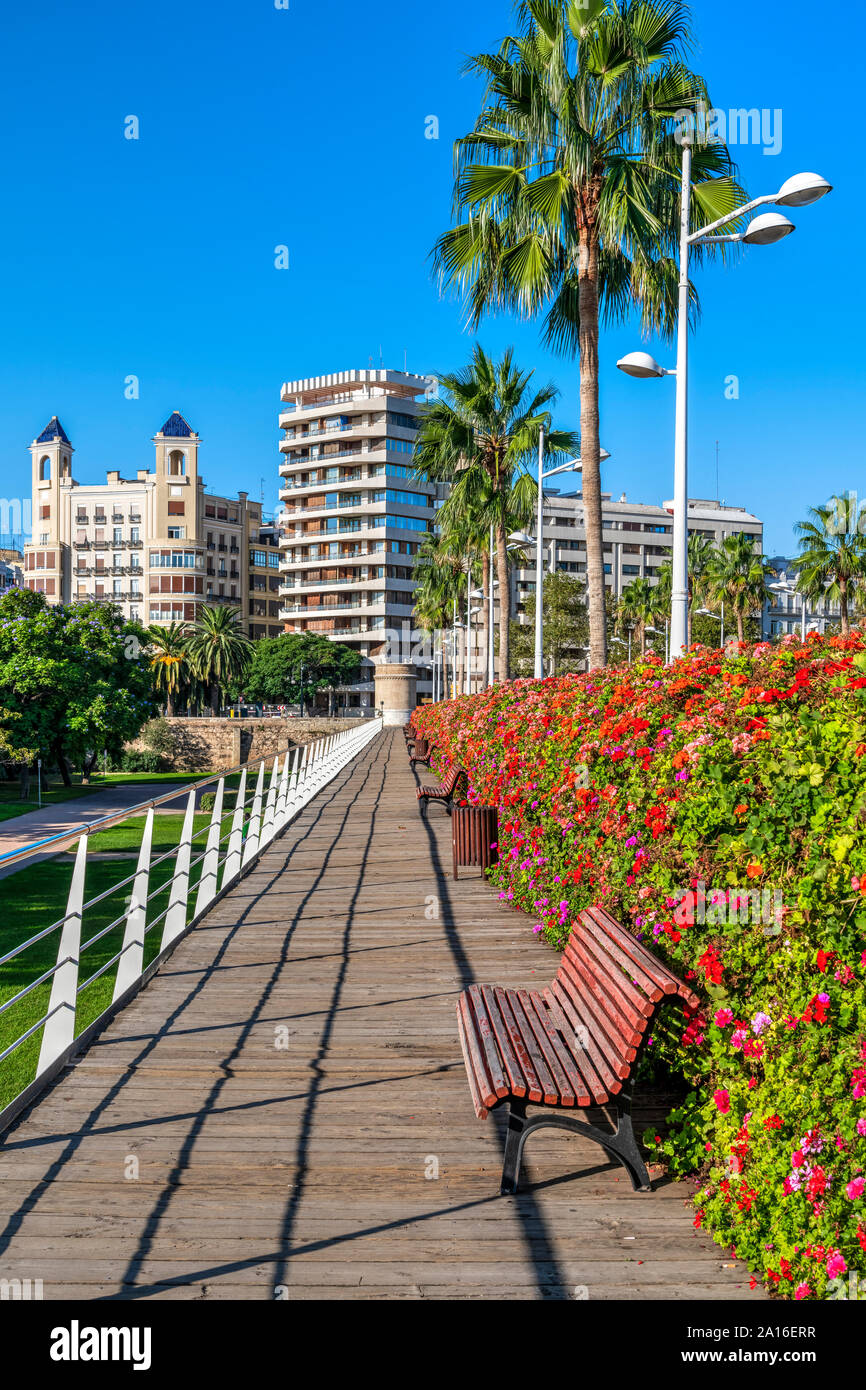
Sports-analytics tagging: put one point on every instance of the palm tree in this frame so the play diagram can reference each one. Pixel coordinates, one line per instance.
(832, 559)
(701, 550)
(481, 436)
(638, 606)
(170, 661)
(738, 574)
(440, 585)
(220, 650)
(569, 191)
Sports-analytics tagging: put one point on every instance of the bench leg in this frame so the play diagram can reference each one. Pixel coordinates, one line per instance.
(626, 1148)
(513, 1147)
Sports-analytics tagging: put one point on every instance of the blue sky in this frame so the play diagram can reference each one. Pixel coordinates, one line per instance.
(306, 127)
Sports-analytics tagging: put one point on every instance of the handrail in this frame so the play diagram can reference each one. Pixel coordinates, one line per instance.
(297, 775)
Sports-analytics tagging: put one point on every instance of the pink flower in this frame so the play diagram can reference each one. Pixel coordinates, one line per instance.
(861, 1126)
(738, 1037)
(802, 1291)
(723, 1018)
(835, 1264)
(855, 1188)
(797, 1159)
(723, 1101)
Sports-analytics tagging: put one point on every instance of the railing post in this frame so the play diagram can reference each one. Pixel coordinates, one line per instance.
(207, 884)
(59, 1030)
(282, 810)
(251, 845)
(131, 962)
(232, 865)
(268, 824)
(175, 917)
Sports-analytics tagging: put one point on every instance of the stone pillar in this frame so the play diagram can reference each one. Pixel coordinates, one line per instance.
(395, 693)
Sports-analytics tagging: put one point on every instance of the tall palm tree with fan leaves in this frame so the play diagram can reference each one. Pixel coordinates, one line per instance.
(738, 575)
(481, 436)
(832, 559)
(220, 650)
(567, 193)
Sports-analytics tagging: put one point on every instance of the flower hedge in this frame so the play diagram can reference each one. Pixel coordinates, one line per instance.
(718, 807)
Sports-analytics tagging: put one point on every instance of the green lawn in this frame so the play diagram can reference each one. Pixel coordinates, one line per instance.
(33, 898)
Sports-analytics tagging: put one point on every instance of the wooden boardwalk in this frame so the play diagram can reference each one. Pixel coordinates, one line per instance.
(264, 1120)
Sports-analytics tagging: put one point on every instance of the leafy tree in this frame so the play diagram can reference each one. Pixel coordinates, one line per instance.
(565, 635)
(284, 669)
(74, 680)
(219, 650)
(481, 436)
(639, 606)
(567, 192)
(832, 559)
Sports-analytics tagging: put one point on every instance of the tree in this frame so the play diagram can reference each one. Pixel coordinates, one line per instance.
(566, 627)
(569, 191)
(701, 550)
(738, 574)
(832, 559)
(73, 680)
(639, 606)
(481, 436)
(170, 661)
(284, 668)
(219, 650)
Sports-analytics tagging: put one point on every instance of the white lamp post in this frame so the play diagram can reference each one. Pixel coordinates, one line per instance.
(520, 537)
(763, 230)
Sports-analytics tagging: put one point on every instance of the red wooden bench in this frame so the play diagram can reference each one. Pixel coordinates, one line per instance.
(573, 1045)
(422, 751)
(444, 794)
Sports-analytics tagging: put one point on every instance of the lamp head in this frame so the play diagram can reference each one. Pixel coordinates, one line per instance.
(801, 189)
(766, 229)
(640, 364)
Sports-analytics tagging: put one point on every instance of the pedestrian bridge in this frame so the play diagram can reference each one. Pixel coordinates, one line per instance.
(278, 1108)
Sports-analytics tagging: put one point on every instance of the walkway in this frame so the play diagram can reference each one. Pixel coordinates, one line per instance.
(268, 1117)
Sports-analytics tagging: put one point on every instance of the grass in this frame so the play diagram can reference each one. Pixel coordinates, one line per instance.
(36, 897)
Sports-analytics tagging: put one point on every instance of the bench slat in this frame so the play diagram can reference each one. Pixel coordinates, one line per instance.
(648, 962)
(485, 1087)
(481, 1109)
(548, 1083)
(510, 1063)
(486, 1034)
(565, 1059)
(596, 1091)
(534, 1088)
(623, 1032)
(612, 1070)
(636, 981)
(626, 998)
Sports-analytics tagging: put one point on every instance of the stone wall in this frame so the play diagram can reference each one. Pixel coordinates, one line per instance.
(210, 745)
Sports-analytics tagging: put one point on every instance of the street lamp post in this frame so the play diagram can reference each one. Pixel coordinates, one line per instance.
(785, 588)
(764, 230)
(520, 538)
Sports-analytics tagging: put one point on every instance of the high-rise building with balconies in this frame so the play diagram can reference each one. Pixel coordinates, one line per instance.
(354, 514)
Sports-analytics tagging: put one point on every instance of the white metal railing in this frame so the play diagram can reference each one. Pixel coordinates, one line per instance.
(295, 778)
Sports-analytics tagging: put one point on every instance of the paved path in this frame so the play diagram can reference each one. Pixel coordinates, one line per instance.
(265, 1120)
(21, 831)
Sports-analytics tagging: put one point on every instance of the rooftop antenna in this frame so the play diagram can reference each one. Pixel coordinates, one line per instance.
(380, 356)
(405, 362)
(717, 470)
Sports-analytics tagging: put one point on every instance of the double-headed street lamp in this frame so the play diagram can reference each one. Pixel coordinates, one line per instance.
(520, 538)
(763, 230)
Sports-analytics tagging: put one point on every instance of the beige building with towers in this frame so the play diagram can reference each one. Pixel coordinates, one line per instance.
(156, 544)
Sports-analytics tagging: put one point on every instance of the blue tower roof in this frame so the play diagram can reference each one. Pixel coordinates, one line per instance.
(176, 426)
(53, 430)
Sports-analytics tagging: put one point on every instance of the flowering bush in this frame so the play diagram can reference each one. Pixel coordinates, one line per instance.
(718, 807)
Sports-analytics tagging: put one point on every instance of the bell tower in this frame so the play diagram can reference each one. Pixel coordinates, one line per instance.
(47, 552)
(176, 479)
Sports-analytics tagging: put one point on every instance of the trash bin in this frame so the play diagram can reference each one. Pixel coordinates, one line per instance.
(475, 837)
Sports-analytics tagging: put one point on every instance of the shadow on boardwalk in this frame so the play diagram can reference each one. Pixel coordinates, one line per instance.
(283, 1112)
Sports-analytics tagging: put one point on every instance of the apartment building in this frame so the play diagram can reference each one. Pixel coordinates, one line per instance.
(354, 515)
(636, 536)
(157, 544)
(264, 603)
(783, 612)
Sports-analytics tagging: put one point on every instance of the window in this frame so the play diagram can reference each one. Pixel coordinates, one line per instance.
(134, 561)
(176, 533)
(44, 537)
(407, 422)
(117, 560)
(134, 586)
(118, 588)
(118, 535)
(45, 469)
(399, 446)
(176, 508)
(135, 534)
(259, 558)
(177, 463)
(44, 513)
